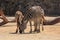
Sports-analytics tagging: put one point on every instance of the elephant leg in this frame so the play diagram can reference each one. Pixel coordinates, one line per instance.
(16, 30)
(42, 24)
(38, 26)
(35, 27)
(38, 29)
(30, 27)
(20, 31)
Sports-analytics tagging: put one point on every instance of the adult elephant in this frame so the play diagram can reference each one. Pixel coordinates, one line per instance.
(35, 13)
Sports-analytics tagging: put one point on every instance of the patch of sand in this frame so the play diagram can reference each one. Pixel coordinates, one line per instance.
(51, 32)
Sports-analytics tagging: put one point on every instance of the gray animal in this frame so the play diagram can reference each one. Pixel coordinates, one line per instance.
(19, 17)
(37, 17)
(36, 14)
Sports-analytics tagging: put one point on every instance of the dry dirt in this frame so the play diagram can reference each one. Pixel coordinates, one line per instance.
(51, 32)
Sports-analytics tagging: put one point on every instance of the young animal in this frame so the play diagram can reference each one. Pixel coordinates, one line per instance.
(19, 16)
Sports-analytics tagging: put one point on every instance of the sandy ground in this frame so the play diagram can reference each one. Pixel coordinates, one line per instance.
(51, 32)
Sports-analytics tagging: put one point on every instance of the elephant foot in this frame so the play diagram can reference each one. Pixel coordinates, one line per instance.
(38, 31)
(42, 29)
(30, 32)
(20, 31)
(16, 32)
(35, 30)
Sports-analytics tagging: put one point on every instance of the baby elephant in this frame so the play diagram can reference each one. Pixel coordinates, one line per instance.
(19, 16)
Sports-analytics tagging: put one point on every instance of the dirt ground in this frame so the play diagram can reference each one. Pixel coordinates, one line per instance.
(51, 32)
